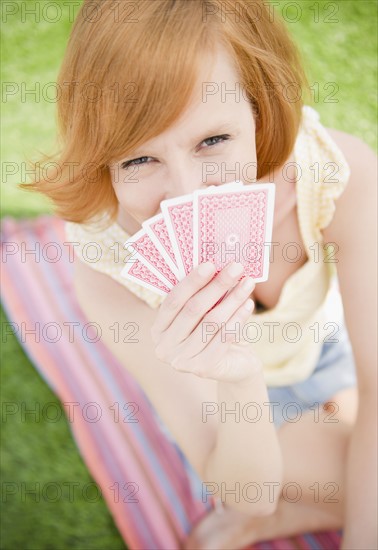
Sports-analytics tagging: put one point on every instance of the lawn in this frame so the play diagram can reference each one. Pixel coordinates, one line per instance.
(338, 41)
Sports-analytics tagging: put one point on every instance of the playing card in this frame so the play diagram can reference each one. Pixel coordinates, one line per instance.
(178, 214)
(137, 272)
(178, 217)
(144, 250)
(156, 229)
(229, 222)
(234, 225)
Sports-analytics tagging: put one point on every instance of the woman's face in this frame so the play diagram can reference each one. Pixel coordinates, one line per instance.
(212, 143)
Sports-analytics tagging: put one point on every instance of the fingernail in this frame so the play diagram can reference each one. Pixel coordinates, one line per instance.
(206, 269)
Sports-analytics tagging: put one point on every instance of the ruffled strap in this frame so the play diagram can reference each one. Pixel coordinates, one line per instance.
(324, 174)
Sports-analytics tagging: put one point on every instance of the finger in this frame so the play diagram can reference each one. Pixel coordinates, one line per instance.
(214, 348)
(219, 316)
(216, 345)
(180, 294)
(184, 337)
(200, 303)
(224, 311)
(191, 294)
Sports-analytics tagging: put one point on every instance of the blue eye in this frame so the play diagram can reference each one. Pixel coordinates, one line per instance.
(218, 139)
(214, 140)
(134, 162)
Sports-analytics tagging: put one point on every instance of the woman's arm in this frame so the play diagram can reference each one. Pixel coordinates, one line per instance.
(176, 397)
(247, 457)
(180, 397)
(354, 229)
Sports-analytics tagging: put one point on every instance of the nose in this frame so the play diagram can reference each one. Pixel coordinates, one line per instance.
(183, 178)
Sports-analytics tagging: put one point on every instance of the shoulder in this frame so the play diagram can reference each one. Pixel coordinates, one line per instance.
(360, 191)
(354, 231)
(351, 146)
(86, 280)
(102, 298)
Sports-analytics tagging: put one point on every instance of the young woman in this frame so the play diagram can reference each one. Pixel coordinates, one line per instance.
(149, 101)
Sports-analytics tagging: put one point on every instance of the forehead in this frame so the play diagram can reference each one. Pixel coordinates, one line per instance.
(216, 100)
(217, 106)
(218, 79)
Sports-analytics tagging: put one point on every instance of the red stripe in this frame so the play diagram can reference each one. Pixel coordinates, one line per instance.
(75, 376)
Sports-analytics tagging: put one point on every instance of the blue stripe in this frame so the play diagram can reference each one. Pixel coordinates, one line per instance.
(114, 389)
(53, 350)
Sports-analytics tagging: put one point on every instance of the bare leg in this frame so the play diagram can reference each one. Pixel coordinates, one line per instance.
(314, 458)
(235, 533)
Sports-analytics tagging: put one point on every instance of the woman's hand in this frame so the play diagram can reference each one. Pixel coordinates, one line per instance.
(193, 336)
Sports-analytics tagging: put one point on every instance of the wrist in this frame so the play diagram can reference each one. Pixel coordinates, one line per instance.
(249, 386)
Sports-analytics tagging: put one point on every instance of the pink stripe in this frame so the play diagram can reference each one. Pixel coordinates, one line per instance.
(154, 481)
(64, 363)
(69, 353)
(329, 540)
(150, 500)
(282, 544)
(302, 543)
(38, 352)
(169, 456)
(41, 353)
(41, 356)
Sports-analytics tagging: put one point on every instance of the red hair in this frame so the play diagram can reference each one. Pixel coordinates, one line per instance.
(123, 82)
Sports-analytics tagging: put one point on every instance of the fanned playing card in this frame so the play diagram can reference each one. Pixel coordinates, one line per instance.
(137, 272)
(178, 216)
(156, 229)
(144, 250)
(234, 225)
(225, 223)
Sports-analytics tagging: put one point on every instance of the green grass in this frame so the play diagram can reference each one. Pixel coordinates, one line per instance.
(40, 455)
(342, 52)
(31, 54)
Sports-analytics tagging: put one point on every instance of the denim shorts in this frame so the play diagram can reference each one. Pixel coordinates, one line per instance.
(334, 371)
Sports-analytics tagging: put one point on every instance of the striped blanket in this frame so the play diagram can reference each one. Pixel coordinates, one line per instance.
(139, 471)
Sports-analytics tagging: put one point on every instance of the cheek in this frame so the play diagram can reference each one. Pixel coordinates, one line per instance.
(140, 201)
(249, 160)
(243, 162)
(248, 168)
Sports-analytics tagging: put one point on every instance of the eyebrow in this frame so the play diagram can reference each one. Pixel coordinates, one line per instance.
(218, 129)
(215, 130)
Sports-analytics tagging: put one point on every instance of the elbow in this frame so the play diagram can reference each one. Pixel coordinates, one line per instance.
(268, 503)
(252, 498)
(253, 509)
(255, 496)
(269, 509)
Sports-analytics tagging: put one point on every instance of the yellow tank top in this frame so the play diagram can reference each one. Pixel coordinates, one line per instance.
(288, 338)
